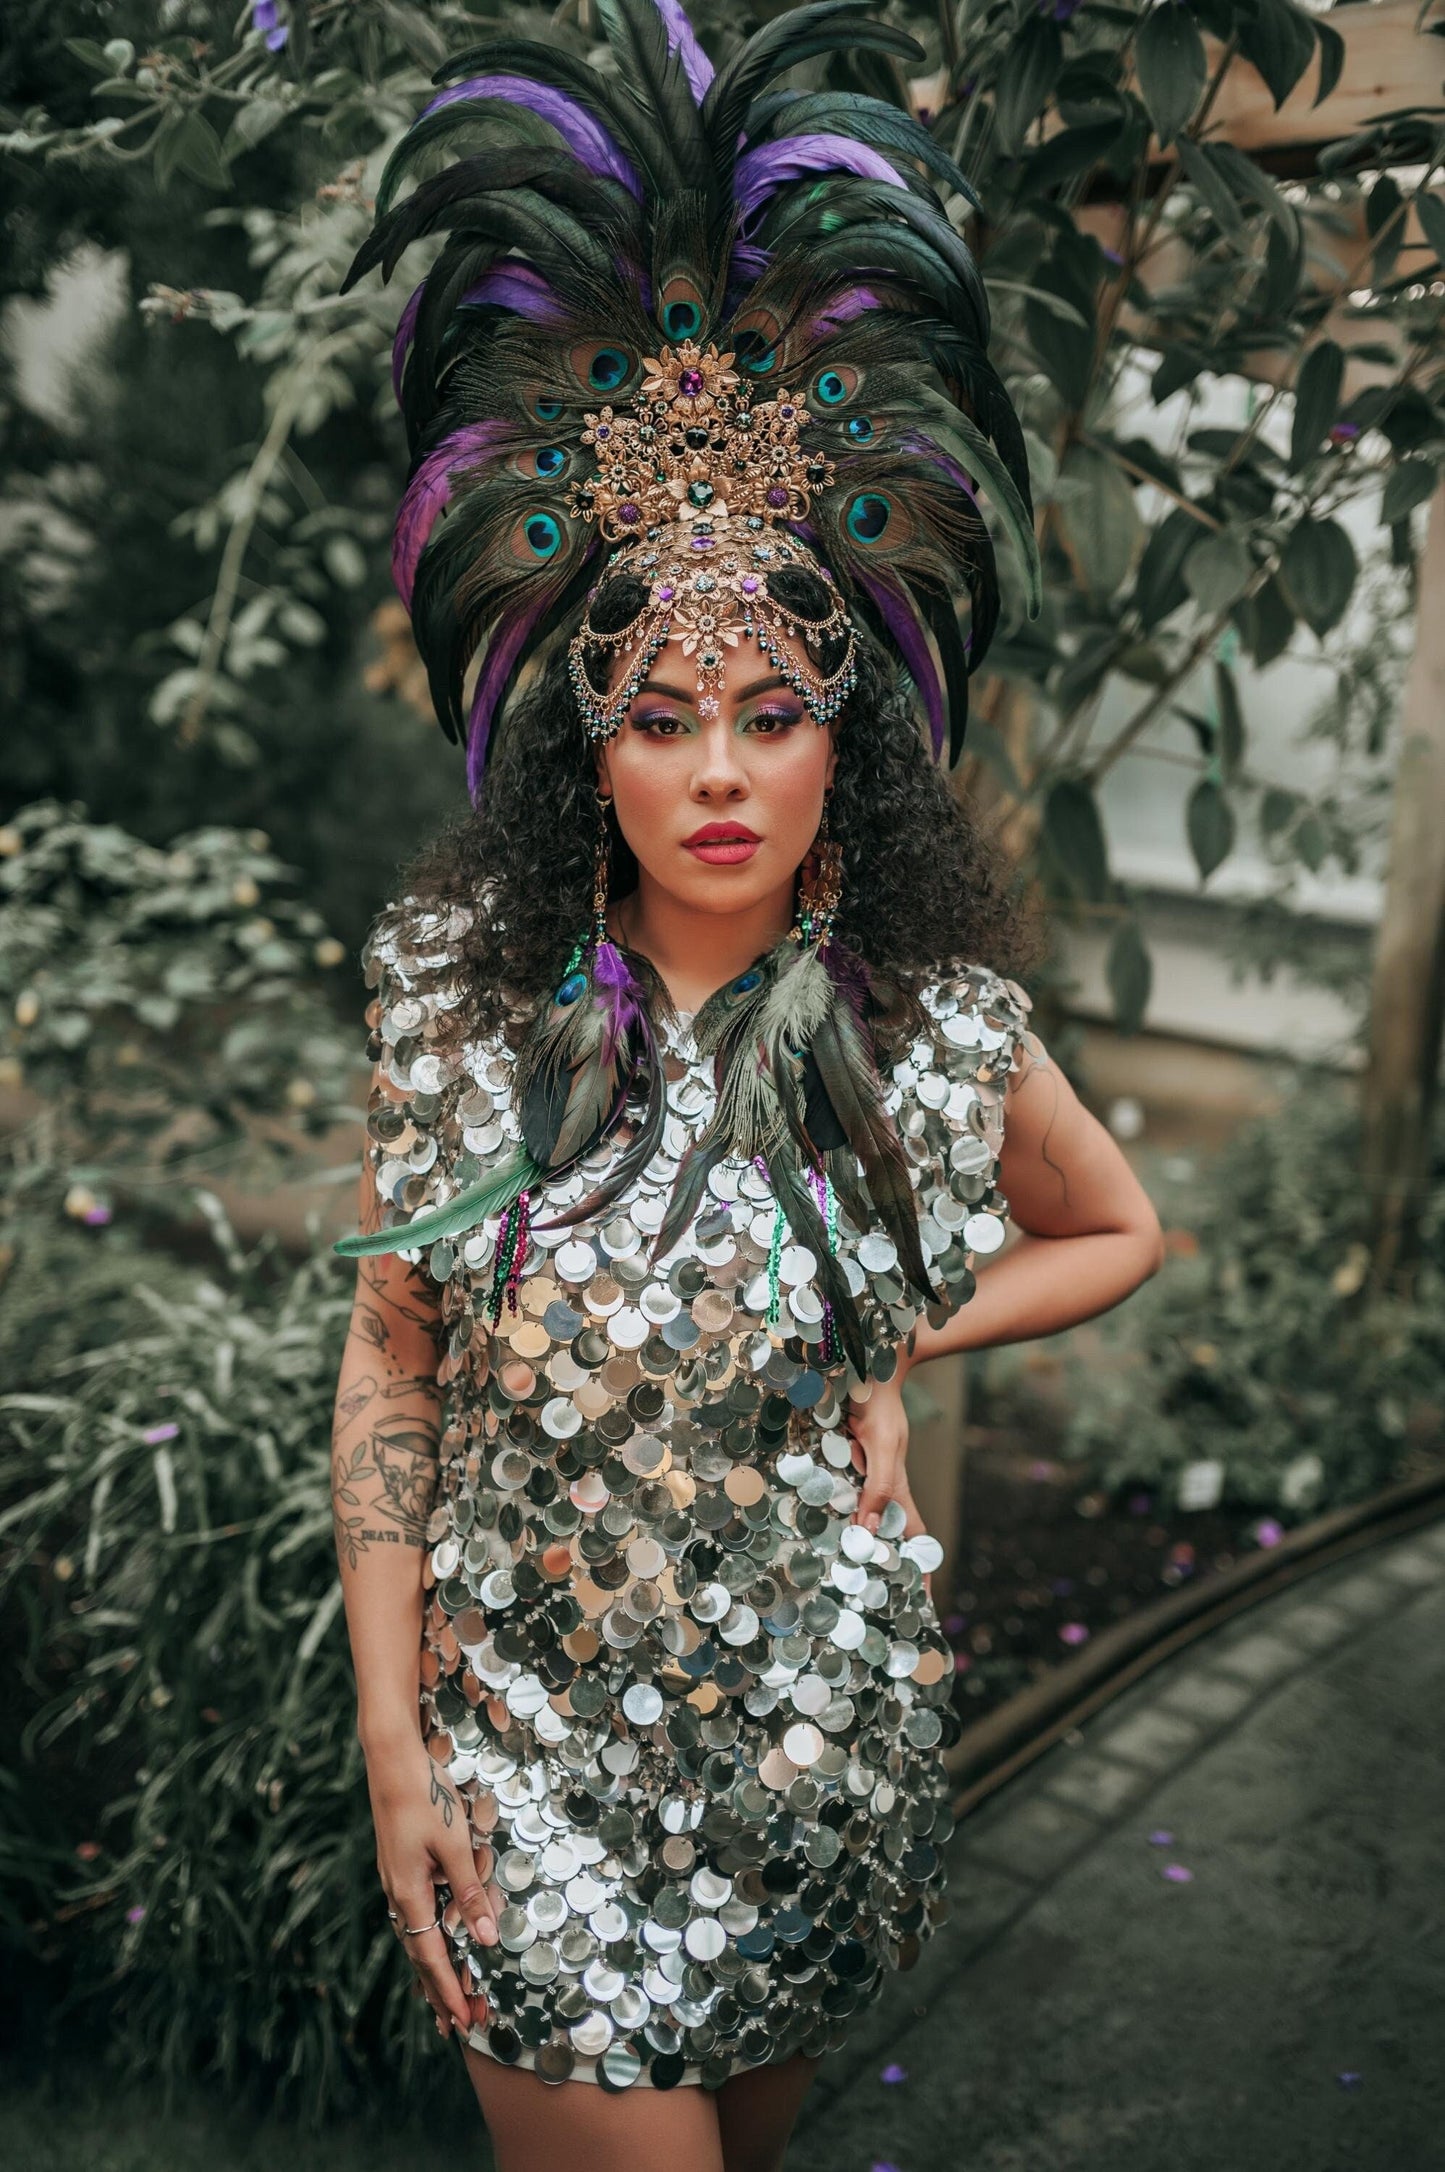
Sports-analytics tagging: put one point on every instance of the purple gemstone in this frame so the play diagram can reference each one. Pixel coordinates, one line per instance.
(629, 513)
(777, 495)
(602, 430)
(690, 382)
(750, 582)
(702, 542)
(666, 593)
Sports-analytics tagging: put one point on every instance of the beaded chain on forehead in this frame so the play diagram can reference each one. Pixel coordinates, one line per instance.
(695, 481)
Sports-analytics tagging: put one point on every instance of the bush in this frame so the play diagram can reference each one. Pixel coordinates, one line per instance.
(190, 1858)
(1263, 1375)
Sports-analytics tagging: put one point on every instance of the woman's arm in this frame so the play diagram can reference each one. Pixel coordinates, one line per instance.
(1089, 1235)
(384, 1460)
(384, 1468)
(1088, 1232)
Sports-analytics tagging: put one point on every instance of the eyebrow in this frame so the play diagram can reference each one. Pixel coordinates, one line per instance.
(678, 693)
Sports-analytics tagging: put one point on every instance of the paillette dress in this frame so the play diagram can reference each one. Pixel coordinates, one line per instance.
(696, 1712)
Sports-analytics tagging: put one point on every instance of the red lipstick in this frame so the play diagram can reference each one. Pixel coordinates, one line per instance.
(722, 844)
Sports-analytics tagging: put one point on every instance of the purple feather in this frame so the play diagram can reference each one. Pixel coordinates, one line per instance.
(405, 333)
(502, 652)
(843, 308)
(579, 130)
(914, 441)
(747, 263)
(762, 171)
(902, 622)
(518, 287)
(617, 994)
(429, 490)
(681, 38)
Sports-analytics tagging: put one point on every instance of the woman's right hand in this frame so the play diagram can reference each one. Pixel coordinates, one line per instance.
(423, 1839)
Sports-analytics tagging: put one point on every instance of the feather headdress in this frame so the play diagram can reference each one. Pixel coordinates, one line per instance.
(606, 234)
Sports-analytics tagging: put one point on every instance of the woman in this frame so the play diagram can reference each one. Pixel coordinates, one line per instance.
(695, 1112)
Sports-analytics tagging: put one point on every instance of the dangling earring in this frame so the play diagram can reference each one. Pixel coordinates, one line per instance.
(601, 873)
(820, 886)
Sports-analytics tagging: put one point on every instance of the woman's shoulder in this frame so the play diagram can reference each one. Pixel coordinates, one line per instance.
(975, 1017)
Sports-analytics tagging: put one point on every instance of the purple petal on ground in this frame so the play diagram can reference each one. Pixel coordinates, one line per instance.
(762, 171)
(579, 129)
(682, 39)
(405, 333)
(1074, 1632)
(1349, 2081)
(134, 1915)
(1267, 1532)
(902, 622)
(154, 1434)
(521, 289)
(1177, 1873)
(894, 2073)
(429, 490)
(1161, 1838)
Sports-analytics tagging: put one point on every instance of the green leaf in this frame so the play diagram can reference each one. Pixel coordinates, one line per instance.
(1099, 518)
(1169, 54)
(1209, 822)
(1318, 568)
(1276, 810)
(1430, 211)
(1386, 228)
(1130, 974)
(1231, 721)
(1202, 166)
(198, 152)
(1217, 571)
(1316, 400)
(1029, 71)
(1075, 837)
(1332, 58)
(1280, 39)
(1159, 586)
(1406, 486)
(91, 53)
(1266, 623)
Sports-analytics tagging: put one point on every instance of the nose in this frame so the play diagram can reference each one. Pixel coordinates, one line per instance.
(719, 773)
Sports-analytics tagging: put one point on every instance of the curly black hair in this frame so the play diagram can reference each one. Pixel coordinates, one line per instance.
(923, 890)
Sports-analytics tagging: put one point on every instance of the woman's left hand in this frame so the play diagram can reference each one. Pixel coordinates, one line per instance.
(879, 1433)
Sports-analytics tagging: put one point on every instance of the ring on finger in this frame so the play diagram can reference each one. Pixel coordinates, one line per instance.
(415, 1931)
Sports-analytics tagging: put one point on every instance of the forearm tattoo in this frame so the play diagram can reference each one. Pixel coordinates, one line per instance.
(387, 1430)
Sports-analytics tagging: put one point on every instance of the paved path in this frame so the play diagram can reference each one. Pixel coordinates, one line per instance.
(1282, 2010)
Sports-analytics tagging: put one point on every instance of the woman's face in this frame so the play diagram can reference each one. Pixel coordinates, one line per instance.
(719, 810)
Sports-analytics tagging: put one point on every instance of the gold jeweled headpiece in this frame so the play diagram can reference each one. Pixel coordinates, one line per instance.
(695, 482)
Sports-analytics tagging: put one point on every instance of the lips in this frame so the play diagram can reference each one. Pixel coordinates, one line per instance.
(722, 844)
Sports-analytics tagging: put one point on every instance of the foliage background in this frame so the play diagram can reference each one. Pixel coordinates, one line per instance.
(1230, 370)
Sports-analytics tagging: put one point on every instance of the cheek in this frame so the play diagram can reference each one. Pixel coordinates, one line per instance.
(790, 785)
(647, 787)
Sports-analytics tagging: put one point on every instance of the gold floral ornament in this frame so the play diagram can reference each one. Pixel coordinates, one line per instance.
(696, 483)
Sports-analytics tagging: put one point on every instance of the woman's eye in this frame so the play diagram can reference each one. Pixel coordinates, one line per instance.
(660, 721)
(774, 720)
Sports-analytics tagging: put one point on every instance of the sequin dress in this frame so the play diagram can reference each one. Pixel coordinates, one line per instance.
(697, 1713)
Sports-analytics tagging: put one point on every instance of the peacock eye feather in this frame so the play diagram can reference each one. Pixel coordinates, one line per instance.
(607, 369)
(831, 387)
(551, 460)
(543, 535)
(867, 516)
(682, 320)
(572, 987)
(547, 407)
(746, 982)
(858, 429)
(755, 352)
